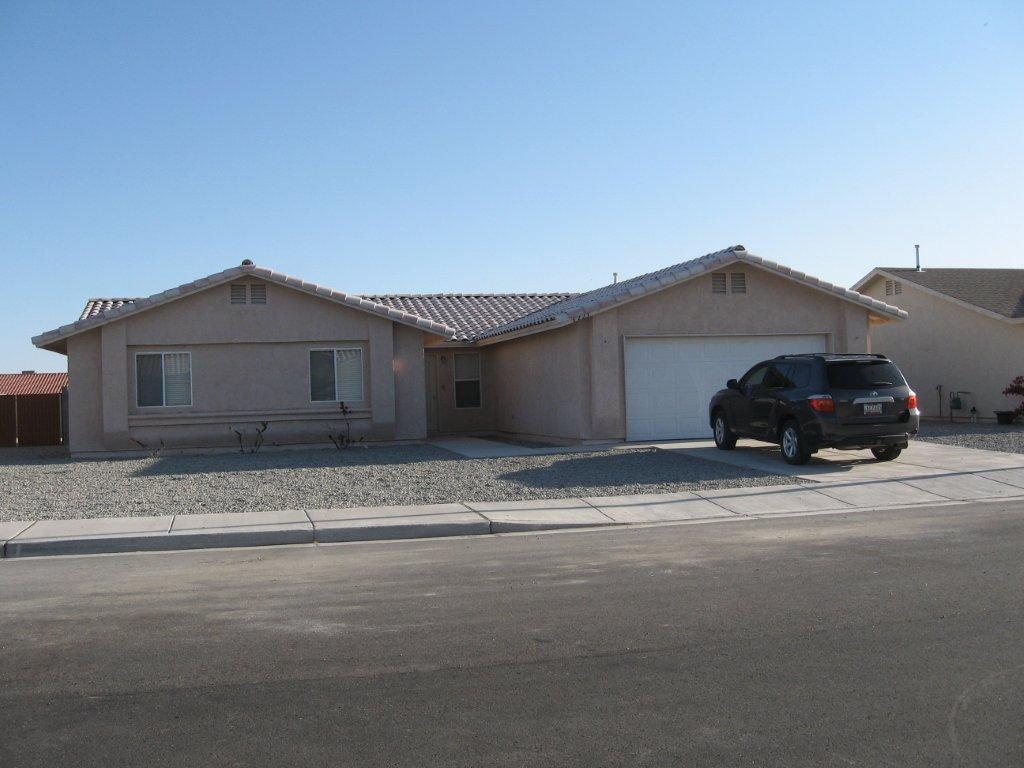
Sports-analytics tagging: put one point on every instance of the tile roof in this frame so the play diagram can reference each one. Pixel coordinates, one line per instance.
(94, 306)
(607, 296)
(32, 383)
(471, 313)
(465, 317)
(996, 290)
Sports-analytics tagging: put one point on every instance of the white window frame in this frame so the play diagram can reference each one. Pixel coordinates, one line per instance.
(479, 379)
(334, 362)
(163, 379)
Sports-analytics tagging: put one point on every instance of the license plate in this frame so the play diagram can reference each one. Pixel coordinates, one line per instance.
(872, 409)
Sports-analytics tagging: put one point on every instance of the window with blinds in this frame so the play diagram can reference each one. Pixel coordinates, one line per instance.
(336, 375)
(163, 379)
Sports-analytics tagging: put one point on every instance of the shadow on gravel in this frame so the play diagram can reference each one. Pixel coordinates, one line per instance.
(635, 468)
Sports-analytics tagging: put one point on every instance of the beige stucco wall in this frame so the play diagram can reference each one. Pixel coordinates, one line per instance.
(541, 383)
(85, 393)
(943, 343)
(249, 364)
(574, 389)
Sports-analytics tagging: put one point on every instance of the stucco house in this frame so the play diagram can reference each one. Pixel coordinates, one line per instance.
(965, 334)
(637, 359)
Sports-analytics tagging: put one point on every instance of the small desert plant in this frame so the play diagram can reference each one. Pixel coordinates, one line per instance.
(343, 439)
(154, 453)
(255, 442)
(1016, 388)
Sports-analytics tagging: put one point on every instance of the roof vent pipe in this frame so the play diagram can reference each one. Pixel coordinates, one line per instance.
(917, 256)
(615, 277)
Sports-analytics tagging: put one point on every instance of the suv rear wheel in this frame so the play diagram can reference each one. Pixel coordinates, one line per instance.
(794, 446)
(888, 453)
(725, 438)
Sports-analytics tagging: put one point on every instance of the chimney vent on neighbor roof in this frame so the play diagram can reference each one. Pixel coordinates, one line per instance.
(917, 256)
(23, 373)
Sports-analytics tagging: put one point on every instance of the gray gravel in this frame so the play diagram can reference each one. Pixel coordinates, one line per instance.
(988, 437)
(34, 486)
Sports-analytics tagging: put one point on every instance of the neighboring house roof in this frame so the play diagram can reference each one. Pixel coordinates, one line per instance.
(614, 294)
(998, 292)
(102, 317)
(467, 317)
(471, 313)
(33, 383)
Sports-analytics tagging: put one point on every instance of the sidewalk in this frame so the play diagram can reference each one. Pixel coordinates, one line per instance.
(248, 529)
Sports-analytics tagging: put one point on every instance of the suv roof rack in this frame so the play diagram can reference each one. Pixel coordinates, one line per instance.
(833, 354)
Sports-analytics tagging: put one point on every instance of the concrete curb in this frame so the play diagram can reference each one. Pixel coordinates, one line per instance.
(256, 529)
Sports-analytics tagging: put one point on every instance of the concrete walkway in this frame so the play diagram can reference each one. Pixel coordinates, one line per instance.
(834, 481)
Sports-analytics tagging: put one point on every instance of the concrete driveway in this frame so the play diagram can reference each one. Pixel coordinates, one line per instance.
(925, 472)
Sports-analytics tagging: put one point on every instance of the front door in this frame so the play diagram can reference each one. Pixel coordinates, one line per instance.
(430, 379)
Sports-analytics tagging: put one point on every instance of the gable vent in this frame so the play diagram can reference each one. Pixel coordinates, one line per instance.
(897, 287)
(739, 282)
(718, 282)
(258, 293)
(238, 293)
(889, 288)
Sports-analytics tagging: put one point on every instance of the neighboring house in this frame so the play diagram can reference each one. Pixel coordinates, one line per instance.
(965, 334)
(33, 408)
(637, 359)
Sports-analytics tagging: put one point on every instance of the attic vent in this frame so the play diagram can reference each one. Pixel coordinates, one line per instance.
(718, 282)
(238, 293)
(739, 282)
(898, 287)
(893, 287)
(258, 293)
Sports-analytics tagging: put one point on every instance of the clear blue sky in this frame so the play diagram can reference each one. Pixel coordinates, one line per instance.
(512, 146)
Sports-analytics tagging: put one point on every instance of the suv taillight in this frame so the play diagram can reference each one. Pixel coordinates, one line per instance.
(822, 403)
(912, 401)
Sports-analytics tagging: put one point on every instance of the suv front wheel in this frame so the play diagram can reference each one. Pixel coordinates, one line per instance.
(725, 438)
(794, 446)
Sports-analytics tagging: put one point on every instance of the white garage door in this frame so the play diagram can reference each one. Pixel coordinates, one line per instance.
(670, 380)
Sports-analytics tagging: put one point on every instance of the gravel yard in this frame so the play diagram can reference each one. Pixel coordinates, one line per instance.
(988, 437)
(34, 486)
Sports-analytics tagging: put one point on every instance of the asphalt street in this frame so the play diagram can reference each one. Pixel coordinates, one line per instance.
(871, 639)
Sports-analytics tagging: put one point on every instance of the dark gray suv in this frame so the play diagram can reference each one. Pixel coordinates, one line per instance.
(807, 402)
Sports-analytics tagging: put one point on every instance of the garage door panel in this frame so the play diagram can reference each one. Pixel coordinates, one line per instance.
(670, 380)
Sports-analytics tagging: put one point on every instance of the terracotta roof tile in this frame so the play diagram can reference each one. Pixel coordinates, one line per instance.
(32, 383)
(470, 314)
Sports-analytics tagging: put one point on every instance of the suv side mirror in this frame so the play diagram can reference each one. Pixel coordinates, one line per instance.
(732, 384)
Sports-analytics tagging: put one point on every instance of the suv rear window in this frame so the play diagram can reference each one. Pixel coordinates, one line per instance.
(864, 374)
